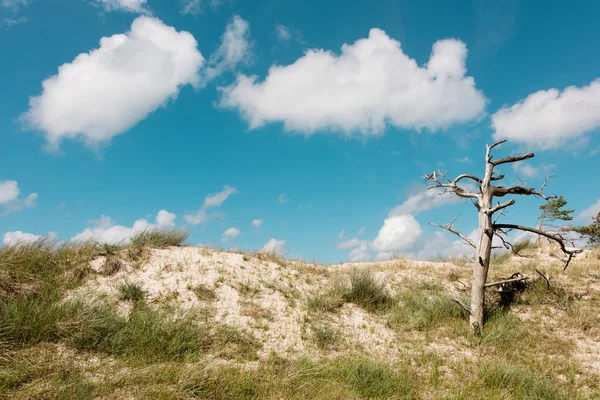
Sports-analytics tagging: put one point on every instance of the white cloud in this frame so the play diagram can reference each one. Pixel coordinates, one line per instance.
(550, 119)
(349, 244)
(274, 246)
(107, 91)
(398, 233)
(283, 198)
(424, 200)
(282, 33)
(14, 4)
(341, 235)
(136, 6)
(384, 256)
(9, 191)
(212, 200)
(165, 218)
(8, 23)
(235, 49)
(194, 7)
(370, 83)
(589, 213)
(230, 233)
(465, 160)
(257, 223)
(216, 199)
(10, 199)
(526, 170)
(103, 230)
(17, 238)
(191, 7)
(361, 230)
(361, 253)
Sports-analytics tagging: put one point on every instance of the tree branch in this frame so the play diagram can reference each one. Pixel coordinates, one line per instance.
(522, 278)
(499, 206)
(500, 191)
(555, 237)
(451, 186)
(511, 159)
(449, 228)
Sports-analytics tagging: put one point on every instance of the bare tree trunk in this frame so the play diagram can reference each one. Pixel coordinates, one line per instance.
(483, 249)
(480, 272)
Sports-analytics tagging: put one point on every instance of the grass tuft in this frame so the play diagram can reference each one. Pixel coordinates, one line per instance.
(159, 238)
(131, 291)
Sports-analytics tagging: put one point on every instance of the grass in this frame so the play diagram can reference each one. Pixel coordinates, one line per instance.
(159, 238)
(131, 291)
(424, 310)
(326, 337)
(56, 346)
(360, 287)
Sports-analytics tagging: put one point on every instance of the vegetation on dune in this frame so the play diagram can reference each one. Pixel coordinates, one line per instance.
(55, 345)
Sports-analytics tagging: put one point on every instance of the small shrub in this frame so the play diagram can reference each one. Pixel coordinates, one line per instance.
(131, 291)
(204, 292)
(325, 302)
(248, 290)
(111, 266)
(366, 291)
(524, 245)
(325, 336)
(159, 238)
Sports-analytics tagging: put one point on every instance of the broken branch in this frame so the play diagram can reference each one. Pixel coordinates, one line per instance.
(449, 228)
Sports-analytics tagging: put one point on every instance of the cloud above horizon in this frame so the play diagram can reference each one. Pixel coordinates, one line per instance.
(274, 246)
(103, 93)
(11, 200)
(369, 84)
(104, 230)
(210, 201)
(136, 6)
(551, 119)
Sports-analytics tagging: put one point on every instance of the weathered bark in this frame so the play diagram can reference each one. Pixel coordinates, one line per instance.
(484, 248)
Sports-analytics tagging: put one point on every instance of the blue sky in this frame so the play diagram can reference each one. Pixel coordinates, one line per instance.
(316, 118)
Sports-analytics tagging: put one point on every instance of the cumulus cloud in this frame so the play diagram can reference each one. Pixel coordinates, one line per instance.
(104, 230)
(589, 213)
(274, 246)
(398, 233)
(230, 233)
(370, 83)
(424, 200)
(257, 223)
(349, 244)
(11, 200)
(136, 6)
(212, 200)
(18, 238)
(105, 92)
(550, 119)
(360, 253)
(165, 218)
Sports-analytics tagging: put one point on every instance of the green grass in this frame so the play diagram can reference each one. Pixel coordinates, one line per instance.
(159, 238)
(425, 310)
(325, 336)
(131, 291)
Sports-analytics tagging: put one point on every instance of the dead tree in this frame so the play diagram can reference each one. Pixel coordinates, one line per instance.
(489, 227)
